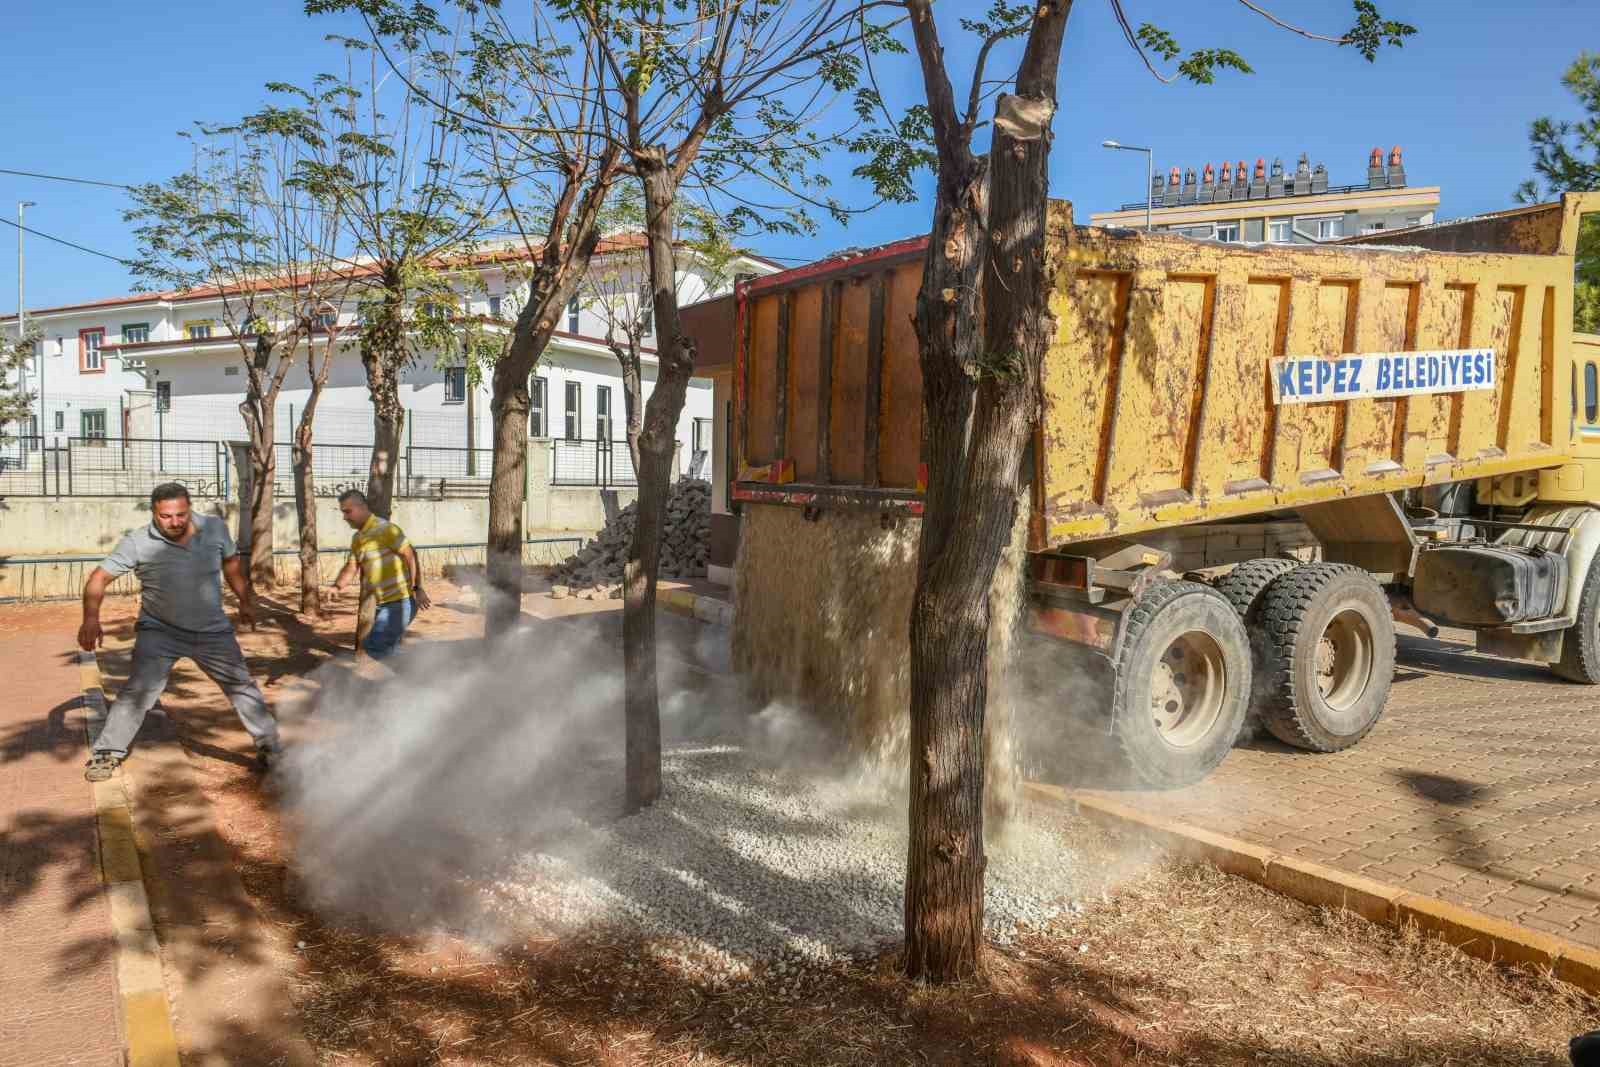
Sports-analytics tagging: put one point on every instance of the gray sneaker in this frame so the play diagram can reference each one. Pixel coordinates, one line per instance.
(101, 765)
(267, 756)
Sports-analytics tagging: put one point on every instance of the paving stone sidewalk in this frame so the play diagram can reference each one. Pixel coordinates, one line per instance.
(57, 967)
(1480, 786)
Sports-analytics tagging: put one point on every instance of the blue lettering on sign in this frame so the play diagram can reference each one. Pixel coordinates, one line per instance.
(1316, 378)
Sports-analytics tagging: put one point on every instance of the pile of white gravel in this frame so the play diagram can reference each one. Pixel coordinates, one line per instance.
(743, 867)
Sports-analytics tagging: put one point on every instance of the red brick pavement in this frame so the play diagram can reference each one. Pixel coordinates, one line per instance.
(1481, 786)
(58, 993)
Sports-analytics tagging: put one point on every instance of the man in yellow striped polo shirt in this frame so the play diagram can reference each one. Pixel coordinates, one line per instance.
(388, 567)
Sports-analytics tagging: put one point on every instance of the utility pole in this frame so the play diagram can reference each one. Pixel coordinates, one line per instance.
(22, 315)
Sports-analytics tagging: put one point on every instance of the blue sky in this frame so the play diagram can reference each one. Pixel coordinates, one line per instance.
(97, 88)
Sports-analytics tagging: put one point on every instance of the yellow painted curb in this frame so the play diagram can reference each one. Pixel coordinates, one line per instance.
(146, 1014)
(1473, 932)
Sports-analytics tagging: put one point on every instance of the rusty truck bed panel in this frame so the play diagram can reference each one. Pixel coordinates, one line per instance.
(1158, 404)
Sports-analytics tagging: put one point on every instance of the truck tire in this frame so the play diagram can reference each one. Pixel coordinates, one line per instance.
(1182, 683)
(1326, 641)
(1244, 585)
(1580, 645)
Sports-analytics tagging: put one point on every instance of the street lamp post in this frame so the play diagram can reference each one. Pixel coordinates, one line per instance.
(1149, 173)
(22, 315)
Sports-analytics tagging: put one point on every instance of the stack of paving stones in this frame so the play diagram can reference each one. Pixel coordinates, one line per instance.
(595, 572)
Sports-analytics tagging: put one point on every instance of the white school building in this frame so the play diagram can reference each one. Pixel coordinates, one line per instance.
(164, 367)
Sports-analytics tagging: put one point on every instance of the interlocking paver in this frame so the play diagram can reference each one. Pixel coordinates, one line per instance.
(1481, 785)
(56, 968)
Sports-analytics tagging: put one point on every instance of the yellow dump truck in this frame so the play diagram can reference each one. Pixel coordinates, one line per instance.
(1250, 461)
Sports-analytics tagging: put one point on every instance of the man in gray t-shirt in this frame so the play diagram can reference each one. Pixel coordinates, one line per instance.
(180, 559)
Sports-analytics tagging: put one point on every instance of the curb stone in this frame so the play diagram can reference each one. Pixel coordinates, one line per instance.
(1473, 932)
(141, 988)
(706, 609)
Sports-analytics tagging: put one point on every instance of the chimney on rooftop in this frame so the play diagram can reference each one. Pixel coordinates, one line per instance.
(1376, 178)
(1397, 169)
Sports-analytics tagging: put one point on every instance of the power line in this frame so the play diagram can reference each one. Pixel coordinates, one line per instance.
(63, 178)
(69, 244)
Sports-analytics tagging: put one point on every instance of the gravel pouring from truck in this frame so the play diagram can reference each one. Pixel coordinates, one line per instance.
(1429, 416)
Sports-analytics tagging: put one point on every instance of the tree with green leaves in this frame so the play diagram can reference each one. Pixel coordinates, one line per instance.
(250, 227)
(411, 206)
(720, 104)
(1566, 157)
(16, 400)
(983, 325)
(524, 107)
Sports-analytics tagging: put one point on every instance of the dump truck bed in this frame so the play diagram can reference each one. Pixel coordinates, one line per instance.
(1189, 381)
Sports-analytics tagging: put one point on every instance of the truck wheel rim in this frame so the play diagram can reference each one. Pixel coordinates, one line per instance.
(1344, 660)
(1187, 689)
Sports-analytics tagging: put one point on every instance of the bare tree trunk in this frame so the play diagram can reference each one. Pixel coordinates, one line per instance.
(657, 442)
(305, 487)
(382, 355)
(973, 477)
(563, 263)
(508, 482)
(260, 424)
(632, 395)
(305, 506)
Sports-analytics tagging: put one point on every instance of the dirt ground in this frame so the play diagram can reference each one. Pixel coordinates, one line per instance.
(1168, 965)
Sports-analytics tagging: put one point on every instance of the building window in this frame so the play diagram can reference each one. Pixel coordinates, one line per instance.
(135, 333)
(61, 420)
(572, 315)
(92, 424)
(1327, 229)
(230, 371)
(1372, 227)
(700, 439)
(198, 329)
(89, 342)
(455, 385)
(163, 396)
(602, 412)
(1199, 233)
(536, 407)
(574, 411)
(1227, 231)
(1280, 231)
(494, 307)
(326, 320)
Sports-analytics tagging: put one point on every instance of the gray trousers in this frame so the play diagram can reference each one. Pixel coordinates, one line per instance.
(156, 647)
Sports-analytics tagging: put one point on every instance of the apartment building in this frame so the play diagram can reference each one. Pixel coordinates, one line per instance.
(1233, 201)
(166, 366)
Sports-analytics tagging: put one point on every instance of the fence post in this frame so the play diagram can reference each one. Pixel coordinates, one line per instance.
(69, 471)
(216, 456)
(44, 468)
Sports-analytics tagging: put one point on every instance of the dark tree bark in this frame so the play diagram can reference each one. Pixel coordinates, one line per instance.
(657, 442)
(569, 245)
(261, 424)
(305, 485)
(628, 359)
(985, 267)
(383, 353)
(263, 382)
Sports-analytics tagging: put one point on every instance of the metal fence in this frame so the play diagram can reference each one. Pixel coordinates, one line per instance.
(131, 467)
(112, 467)
(579, 461)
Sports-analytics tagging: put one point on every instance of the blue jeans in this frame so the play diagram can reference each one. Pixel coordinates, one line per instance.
(388, 625)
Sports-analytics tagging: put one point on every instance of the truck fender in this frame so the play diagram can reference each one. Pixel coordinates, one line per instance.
(1580, 547)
